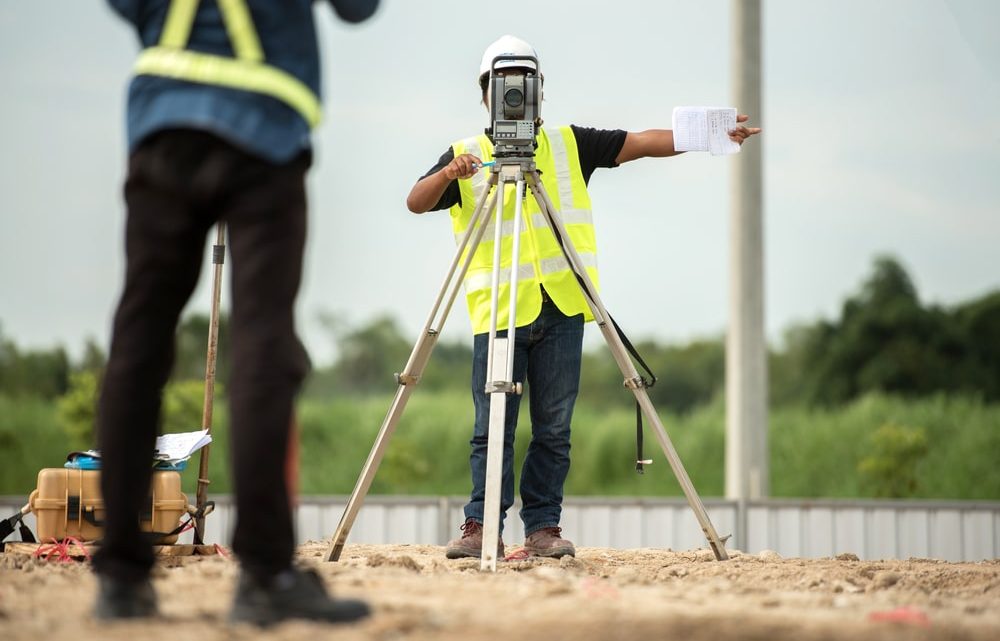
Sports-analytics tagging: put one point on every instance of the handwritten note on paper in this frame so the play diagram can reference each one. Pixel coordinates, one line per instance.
(178, 447)
(704, 129)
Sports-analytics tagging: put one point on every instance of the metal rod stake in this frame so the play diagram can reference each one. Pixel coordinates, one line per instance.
(218, 259)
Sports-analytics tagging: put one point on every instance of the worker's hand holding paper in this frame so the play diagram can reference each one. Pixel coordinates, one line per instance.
(705, 129)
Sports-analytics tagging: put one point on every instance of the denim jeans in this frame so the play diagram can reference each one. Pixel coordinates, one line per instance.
(547, 356)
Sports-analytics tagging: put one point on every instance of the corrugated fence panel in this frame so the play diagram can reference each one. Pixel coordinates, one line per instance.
(687, 532)
(977, 539)
(309, 522)
(881, 537)
(946, 534)
(658, 526)
(758, 530)
(572, 520)
(914, 537)
(996, 533)
(849, 532)
(455, 520)
(724, 518)
(952, 531)
(817, 532)
(788, 531)
(596, 523)
(626, 527)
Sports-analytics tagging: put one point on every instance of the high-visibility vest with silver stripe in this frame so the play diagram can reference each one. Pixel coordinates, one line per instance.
(541, 260)
(246, 71)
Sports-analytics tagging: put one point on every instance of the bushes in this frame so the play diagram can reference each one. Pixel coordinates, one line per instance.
(817, 452)
(890, 470)
(30, 439)
(937, 447)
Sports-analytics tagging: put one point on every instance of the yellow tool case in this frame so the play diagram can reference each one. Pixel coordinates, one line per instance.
(67, 502)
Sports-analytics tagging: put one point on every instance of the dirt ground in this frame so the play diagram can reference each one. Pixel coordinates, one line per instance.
(601, 594)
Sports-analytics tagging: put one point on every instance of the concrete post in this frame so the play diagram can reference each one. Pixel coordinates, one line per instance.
(747, 471)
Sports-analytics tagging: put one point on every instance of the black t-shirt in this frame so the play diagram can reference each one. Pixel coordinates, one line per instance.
(596, 148)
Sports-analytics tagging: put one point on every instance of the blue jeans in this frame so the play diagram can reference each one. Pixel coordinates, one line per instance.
(547, 356)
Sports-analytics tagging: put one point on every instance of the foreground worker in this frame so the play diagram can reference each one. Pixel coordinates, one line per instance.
(551, 308)
(219, 120)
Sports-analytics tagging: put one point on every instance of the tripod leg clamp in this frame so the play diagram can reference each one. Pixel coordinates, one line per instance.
(407, 379)
(505, 387)
(635, 383)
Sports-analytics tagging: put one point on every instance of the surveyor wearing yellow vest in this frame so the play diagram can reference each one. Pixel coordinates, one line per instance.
(220, 110)
(551, 310)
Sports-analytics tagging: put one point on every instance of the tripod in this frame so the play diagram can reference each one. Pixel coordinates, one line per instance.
(521, 171)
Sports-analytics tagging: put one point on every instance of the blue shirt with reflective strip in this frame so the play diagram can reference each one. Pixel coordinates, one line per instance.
(258, 124)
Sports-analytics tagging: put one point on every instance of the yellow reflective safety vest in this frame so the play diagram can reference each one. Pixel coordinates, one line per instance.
(541, 259)
(246, 71)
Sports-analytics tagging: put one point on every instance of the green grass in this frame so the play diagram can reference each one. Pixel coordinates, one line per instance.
(817, 452)
(30, 439)
(814, 452)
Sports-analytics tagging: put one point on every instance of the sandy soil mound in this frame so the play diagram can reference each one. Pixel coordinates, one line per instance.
(601, 594)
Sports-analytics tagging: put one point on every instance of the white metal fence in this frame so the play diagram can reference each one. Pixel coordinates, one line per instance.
(947, 530)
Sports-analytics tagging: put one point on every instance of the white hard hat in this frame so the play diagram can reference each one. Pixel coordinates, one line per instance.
(507, 46)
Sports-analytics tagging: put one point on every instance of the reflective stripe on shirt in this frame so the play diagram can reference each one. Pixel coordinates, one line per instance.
(247, 71)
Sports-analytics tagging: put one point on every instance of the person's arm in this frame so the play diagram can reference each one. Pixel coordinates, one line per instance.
(651, 143)
(429, 189)
(659, 143)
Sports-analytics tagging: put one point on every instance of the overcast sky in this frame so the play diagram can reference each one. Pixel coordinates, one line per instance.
(880, 136)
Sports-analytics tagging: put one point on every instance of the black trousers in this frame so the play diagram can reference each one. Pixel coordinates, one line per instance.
(180, 183)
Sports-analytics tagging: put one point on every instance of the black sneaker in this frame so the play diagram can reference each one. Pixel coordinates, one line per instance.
(117, 599)
(292, 594)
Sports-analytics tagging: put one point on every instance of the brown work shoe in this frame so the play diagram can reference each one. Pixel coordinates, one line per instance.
(547, 542)
(470, 543)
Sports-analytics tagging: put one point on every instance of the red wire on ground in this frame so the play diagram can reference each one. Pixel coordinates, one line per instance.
(517, 555)
(902, 614)
(59, 551)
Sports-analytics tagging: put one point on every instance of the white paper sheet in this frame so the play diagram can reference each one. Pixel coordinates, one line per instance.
(704, 129)
(180, 446)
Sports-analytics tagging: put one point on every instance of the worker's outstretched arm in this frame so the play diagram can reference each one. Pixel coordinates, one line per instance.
(659, 143)
(428, 190)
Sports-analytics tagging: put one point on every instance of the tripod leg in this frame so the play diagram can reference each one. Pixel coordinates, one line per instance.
(424, 346)
(494, 458)
(632, 379)
(411, 374)
(500, 369)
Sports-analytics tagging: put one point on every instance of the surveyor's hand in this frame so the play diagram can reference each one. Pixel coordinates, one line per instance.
(463, 166)
(741, 133)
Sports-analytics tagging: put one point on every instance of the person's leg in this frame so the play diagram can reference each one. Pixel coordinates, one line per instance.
(266, 218)
(470, 542)
(480, 437)
(164, 242)
(553, 383)
(267, 229)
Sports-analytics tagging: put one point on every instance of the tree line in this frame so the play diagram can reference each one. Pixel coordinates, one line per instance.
(884, 340)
